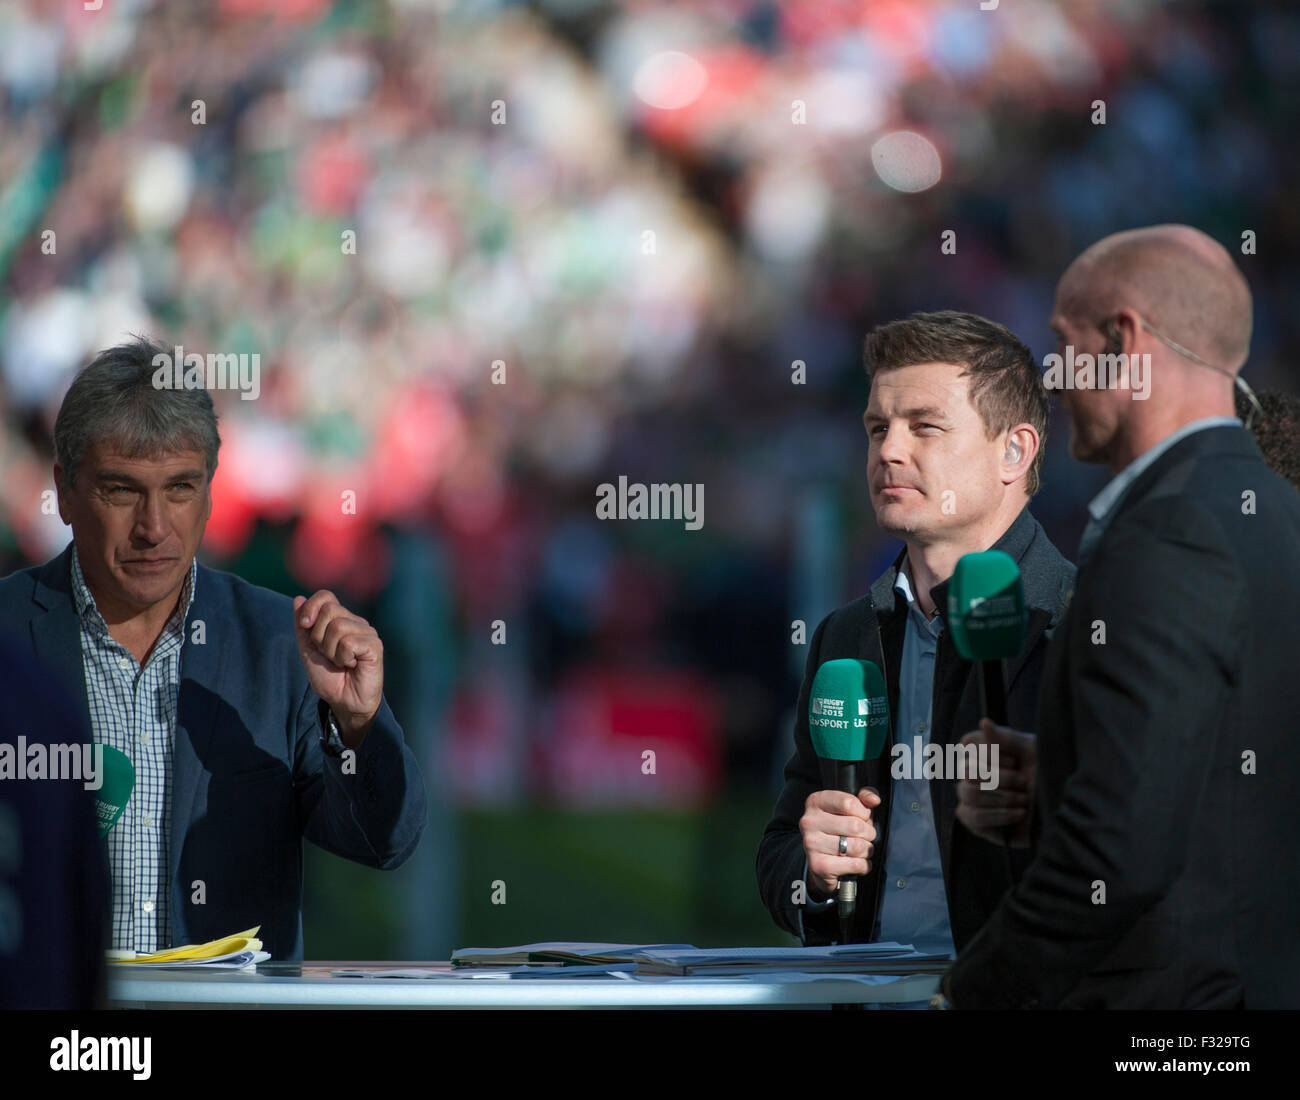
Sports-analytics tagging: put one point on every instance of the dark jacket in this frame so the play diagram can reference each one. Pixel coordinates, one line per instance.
(872, 628)
(250, 778)
(54, 886)
(1168, 760)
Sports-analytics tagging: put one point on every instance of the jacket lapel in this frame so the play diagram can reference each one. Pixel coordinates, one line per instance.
(202, 672)
(881, 637)
(1039, 621)
(56, 633)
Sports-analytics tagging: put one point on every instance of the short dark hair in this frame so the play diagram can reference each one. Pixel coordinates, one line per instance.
(1277, 432)
(1006, 385)
(114, 399)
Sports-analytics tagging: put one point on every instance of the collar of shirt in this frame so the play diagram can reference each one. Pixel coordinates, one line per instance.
(1104, 503)
(903, 586)
(90, 616)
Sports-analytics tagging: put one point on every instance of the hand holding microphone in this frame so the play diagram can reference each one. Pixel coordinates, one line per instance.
(848, 720)
(990, 623)
(1001, 816)
(838, 838)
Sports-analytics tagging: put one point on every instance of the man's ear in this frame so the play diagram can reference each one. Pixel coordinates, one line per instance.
(1122, 331)
(1114, 341)
(58, 490)
(1019, 453)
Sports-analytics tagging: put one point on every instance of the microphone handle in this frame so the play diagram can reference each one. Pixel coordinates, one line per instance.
(993, 692)
(993, 702)
(846, 890)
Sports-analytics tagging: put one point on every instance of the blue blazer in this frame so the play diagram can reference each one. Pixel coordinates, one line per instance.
(249, 776)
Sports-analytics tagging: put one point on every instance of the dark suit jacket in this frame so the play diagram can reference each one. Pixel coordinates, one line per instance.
(249, 776)
(872, 628)
(54, 884)
(1168, 759)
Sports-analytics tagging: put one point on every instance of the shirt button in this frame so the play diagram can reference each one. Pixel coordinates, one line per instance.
(147, 907)
(901, 884)
(915, 807)
(148, 821)
(144, 739)
(920, 727)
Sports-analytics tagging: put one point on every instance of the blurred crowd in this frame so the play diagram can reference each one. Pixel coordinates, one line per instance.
(492, 255)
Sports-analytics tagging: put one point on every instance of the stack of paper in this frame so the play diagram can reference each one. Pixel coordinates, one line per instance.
(874, 958)
(505, 973)
(557, 954)
(683, 959)
(231, 953)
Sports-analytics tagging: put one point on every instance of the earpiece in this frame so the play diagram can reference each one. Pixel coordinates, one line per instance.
(1116, 343)
(1013, 452)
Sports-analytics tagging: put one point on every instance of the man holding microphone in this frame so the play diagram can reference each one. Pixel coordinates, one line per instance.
(955, 421)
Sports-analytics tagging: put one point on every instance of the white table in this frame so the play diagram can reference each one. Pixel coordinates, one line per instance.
(313, 985)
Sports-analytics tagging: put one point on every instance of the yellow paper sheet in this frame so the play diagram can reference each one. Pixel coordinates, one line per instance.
(240, 941)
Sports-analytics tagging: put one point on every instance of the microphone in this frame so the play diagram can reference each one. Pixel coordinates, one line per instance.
(848, 718)
(989, 622)
(118, 781)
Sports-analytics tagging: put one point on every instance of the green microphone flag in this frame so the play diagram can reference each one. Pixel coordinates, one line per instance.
(114, 792)
(848, 711)
(986, 607)
(989, 623)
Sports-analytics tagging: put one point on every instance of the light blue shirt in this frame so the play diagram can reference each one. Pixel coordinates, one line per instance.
(915, 905)
(133, 709)
(1102, 507)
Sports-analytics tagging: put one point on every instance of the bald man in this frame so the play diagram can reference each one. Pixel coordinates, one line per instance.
(1167, 752)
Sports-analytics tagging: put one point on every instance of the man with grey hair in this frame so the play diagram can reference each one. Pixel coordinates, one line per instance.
(251, 720)
(1166, 756)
